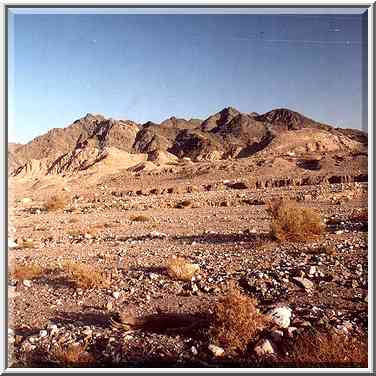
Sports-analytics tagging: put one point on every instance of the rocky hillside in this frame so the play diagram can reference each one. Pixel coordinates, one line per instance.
(93, 129)
(13, 161)
(227, 134)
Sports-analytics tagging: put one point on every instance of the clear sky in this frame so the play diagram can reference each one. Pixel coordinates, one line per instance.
(150, 67)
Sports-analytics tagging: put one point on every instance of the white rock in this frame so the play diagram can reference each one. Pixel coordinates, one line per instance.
(216, 350)
(43, 333)
(312, 270)
(304, 282)
(194, 350)
(27, 282)
(156, 234)
(26, 200)
(264, 347)
(116, 294)
(291, 330)
(53, 329)
(87, 331)
(12, 293)
(11, 243)
(280, 316)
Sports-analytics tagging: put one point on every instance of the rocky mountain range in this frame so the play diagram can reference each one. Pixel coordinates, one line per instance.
(229, 134)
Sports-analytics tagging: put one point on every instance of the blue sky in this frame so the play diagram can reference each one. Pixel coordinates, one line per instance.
(150, 67)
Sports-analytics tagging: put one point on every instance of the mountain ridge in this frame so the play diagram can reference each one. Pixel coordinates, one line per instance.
(227, 134)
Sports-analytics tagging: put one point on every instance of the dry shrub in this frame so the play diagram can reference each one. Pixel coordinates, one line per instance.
(74, 232)
(73, 356)
(328, 350)
(184, 204)
(97, 226)
(22, 244)
(85, 276)
(140, 218)
(293, 222)
(55, 202)
(236, 321)
(30, 271)
(180, 269)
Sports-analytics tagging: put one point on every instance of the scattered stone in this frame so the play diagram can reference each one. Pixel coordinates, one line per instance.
(280, 316)
(216, 350)
(53, 329)
(27, 283)
(194, 287)
(116, 294)
(12, 243)
(156, 234)
(312, 270)
(43, 333)
(12, 293)
(264, 347)
(304, 282)
(87, 332)
(194, 351)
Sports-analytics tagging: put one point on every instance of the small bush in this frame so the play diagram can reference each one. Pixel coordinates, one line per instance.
(85, 276)
(74, 232)
(55, 202)
(22, 244)
(292, 222)
(178, 268)
(328, 350)
(30, 271)
(140, 218)
(236, 321)
(73, 356)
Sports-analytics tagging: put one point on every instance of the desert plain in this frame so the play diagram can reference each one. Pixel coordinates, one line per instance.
(125, 242)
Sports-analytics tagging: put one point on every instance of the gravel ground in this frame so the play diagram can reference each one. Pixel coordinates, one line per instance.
(225, 232)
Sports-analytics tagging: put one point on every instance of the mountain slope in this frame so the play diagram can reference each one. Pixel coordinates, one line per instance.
(227, 134)
(97, 129)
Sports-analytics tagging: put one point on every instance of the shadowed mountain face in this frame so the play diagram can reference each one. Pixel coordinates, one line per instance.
(219, 119)
(283, 119)
(227, 134)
